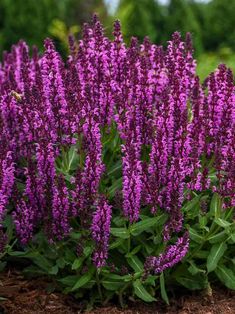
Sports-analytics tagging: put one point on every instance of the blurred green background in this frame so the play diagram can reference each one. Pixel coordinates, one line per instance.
(212, 23)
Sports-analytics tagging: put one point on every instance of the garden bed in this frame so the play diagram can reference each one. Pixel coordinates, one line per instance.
(33, 296)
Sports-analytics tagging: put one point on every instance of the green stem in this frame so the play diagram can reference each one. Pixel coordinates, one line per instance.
(120, 295)
(129, 244)
(129, 239)
(99, 286)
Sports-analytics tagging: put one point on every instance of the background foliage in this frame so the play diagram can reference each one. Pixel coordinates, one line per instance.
(210, 22)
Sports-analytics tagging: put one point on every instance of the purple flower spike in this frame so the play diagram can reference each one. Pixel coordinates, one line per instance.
(173, 255)
(7, 170)
(24, 222)
(60, 227)
(100, 231)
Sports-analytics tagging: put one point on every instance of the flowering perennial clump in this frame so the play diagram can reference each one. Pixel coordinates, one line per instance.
(172, 134)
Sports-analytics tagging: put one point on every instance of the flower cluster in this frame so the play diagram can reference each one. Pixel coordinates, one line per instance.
(176, 134)
(6, 180)
(100, 231)
(172, 255)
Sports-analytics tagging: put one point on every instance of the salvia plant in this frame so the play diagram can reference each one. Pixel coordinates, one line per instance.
(117, 167)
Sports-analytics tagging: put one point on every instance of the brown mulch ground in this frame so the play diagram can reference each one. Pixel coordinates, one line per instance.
(31, 297)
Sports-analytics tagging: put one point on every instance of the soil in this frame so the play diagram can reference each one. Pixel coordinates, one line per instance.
(32, 297)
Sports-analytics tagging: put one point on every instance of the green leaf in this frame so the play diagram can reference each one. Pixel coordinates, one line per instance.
(73, 159)
(120, 233)
(116, 244)
(202, 221)
(54, 270)
(34, 271)
(151, 280)
(36, 257)
(112, 285)
(8, 223)
(69, 256)
(226, 276)
(135, 263)
(117, 185)
(61, 262)
(119, 221)
(233, 237)
(146, 224)
(87, 251)
(219, 237)
(192, 282)
(148, 246)
(134, 251)
(141, 292)
(215, 205)
(195, 236)
(202, 254)
(163, 289)
(116, 277)
(193, 269)
(192, 204)
(42, 262)
(84, 279)
(75, 235)
(222, 223)
(19, 254)
(77, 263)
(69, 280)
(157, 239)
(215, 255)
(89, 284)
(115, 168)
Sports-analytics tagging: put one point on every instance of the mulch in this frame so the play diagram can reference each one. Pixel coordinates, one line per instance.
(32, 297)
